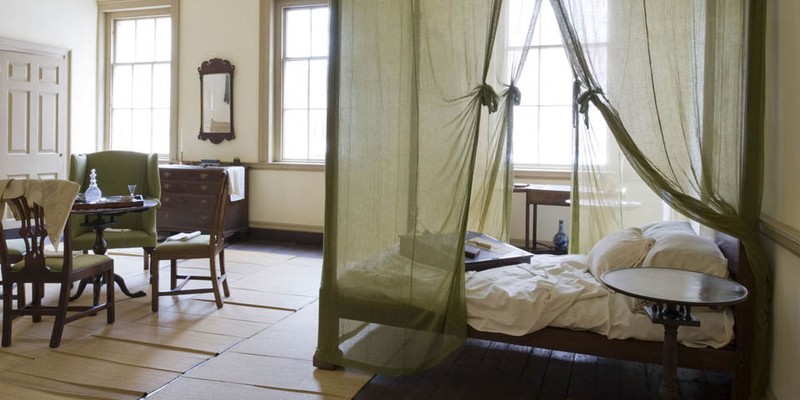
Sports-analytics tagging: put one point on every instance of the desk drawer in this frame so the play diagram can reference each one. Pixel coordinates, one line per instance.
(201, 188)
(187, 202)
(190, 174)
(179, 220)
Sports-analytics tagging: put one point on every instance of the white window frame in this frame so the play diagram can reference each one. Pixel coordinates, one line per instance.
(108, 11)
(275, 155)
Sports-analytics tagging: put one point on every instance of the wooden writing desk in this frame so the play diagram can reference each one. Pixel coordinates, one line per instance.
(536, 195)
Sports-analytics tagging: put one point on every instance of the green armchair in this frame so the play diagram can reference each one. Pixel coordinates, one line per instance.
(115, 171)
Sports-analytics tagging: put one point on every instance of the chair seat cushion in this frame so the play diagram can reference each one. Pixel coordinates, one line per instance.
(78, 263)
(115, 240)
(195, 242)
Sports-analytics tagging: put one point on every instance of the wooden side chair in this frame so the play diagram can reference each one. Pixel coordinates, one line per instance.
(209, 244)
(16, 248)
(37, 269)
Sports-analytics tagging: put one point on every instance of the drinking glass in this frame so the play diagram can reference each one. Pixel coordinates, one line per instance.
(132, 189)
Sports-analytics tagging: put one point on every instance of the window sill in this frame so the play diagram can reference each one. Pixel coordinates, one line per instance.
(287, 166)
(543, 174)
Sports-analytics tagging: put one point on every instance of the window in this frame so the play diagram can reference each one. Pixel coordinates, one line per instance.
(140, 80)
(301, 82)
(543, 121)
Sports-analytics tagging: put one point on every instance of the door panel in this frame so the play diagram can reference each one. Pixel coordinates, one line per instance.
(33, 117)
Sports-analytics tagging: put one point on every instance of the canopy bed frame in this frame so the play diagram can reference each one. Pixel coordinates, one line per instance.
(733, 358)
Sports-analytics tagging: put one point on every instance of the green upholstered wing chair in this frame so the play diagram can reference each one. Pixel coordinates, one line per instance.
(115, 171)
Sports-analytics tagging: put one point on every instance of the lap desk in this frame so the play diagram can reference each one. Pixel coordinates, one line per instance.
(491, 253)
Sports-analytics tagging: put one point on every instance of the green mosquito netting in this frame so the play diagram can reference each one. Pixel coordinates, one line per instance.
(421, 101)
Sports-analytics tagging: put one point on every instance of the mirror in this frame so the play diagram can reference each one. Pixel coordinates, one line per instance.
(216, 100)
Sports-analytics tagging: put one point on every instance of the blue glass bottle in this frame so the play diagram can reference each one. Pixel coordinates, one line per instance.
(560, 240)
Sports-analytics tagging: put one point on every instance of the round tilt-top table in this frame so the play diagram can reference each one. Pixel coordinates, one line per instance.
(674, 292)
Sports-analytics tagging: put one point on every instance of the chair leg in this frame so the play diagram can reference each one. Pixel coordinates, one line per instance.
(173, 274)
(96, 287)
(110, 297)
(146, 256)
(61, 316)
(215, 282)
(223, 274)
(36, 301)
(8, 293)
(154, 283)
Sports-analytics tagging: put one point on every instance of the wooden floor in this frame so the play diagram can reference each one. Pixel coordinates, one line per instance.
(490, 370)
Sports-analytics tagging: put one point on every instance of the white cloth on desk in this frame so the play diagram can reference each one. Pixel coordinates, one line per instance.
(236, 179)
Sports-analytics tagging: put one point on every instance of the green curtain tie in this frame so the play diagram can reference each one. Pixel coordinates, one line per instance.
(488, 97)
(582, 101)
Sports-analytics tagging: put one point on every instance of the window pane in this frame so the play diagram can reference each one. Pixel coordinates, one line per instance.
(295, 84)
(528, 81)
(555, 77)
(551, 35)
(124, 40)
(160, 132)
(121, 87)
(526, 132)
(145, 39)
(295, 134)
(161, 87)
(163, 39)
(142, 81)
(121, 129)
(555, 135)
(141, 130)
(297, 40)
(319, 32)
(318, 84)
(140, 90)
(316, 128)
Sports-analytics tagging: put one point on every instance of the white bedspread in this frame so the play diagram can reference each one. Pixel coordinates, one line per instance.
(559, 291)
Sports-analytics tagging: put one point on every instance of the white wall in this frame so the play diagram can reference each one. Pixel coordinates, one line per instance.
(782, 189)
(70, 24)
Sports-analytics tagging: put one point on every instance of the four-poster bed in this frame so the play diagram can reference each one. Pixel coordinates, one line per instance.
(415, 121)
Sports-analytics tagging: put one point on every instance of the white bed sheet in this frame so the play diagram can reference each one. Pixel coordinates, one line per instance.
(559, 291)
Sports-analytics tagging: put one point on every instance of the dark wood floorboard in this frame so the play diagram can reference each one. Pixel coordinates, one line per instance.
(497, 371)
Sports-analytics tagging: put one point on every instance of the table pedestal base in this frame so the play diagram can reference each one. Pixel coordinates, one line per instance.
(671, 316)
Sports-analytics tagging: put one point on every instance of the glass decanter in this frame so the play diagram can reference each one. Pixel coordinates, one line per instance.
(93, 193)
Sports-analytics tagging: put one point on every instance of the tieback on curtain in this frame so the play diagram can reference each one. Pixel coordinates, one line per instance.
(582, 105)
(488, 96)
(516, 95)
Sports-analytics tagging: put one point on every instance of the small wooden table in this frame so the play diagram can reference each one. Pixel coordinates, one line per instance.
(538, 195)
(674, 292)
(500, 253)
(100, 216)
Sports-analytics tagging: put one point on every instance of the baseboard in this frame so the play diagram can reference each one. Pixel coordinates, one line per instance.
(285, 236)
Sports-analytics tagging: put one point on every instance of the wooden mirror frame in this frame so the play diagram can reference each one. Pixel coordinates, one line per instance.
(210, 67)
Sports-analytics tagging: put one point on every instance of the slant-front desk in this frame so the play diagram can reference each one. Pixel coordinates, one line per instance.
(187, 199)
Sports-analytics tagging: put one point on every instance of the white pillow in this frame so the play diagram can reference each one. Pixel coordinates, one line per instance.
(687, 251)
(624, 249)
(657, 229)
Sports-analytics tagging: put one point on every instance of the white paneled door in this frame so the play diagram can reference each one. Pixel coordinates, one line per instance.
(33, 115)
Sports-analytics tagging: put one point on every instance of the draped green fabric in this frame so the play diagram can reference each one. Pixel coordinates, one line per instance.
(677, 78)
(411, 88)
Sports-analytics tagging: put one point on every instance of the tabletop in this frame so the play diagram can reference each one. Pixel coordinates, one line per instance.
(677, 286)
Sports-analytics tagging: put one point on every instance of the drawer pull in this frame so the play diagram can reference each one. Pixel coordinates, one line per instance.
(204, 187)
(203, 175)
(203, 201)
(165, 186)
